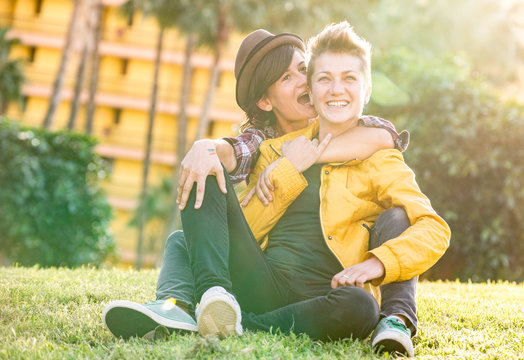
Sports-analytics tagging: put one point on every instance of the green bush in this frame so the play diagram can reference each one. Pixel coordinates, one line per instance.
(52, 210)
(467, 149)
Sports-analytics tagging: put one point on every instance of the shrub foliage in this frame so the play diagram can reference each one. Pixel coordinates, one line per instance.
(467, 149)
(52, 210)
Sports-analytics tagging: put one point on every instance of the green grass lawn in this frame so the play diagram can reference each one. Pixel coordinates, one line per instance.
(56, 314)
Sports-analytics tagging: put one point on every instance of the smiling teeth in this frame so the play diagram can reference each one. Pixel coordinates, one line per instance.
(337, 103)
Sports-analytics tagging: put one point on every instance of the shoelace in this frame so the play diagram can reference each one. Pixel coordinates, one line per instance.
(396, 324)
(154, 302)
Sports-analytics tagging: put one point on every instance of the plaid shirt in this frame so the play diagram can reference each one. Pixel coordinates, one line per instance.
(246, 144)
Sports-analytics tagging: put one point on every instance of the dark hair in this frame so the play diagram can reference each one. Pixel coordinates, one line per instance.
(267, 72)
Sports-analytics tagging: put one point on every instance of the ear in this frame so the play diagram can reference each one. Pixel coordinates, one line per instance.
(367, 95)
(264, 104)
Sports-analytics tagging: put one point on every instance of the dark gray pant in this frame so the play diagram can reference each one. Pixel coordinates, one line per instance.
(398, 298)
(311, 316)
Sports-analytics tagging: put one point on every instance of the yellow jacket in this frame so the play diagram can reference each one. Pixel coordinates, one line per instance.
(352, 194)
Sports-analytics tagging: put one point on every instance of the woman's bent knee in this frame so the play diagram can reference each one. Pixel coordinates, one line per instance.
(356, 310)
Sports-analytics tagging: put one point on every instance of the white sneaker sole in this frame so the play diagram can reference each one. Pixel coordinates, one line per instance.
(394, 340)
(132, 314)
(217, 316)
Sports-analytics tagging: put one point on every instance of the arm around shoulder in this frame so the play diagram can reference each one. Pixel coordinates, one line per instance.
(357, 143)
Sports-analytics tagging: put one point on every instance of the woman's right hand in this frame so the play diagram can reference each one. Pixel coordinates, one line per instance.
(200, 161)
(302, 152)
(263, 187)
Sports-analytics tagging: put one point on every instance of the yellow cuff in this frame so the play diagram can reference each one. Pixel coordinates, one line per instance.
(390, 262)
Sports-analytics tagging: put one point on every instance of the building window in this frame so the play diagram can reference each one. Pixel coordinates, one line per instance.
(23, 103)
(123, 69)
(130, 19)
(210, 128)
(117, 115)
(32, 53)
(38, 7)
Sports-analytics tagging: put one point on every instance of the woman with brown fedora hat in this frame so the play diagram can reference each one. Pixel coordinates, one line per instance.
(271, 89)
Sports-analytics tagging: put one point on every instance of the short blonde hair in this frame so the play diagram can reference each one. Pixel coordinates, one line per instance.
(339, 38)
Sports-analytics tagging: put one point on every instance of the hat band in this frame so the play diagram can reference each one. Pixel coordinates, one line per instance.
(254, 51)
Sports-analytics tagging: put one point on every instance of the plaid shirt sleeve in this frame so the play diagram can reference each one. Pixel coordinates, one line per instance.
(401, 140)
(246, 147)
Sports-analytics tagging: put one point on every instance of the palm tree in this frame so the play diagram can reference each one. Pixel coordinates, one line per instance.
(181, 137)
(163, 11)
(75, 101)
(95, 65)
(11, 73)
(218, 41)
(61, 73)
(149, 141)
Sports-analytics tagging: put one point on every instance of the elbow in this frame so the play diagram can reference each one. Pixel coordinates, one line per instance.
(385, 140)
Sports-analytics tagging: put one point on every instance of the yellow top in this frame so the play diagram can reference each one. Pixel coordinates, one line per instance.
(352, 194)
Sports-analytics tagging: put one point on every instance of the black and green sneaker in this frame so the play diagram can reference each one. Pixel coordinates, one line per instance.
(127, 319)
(392, 336)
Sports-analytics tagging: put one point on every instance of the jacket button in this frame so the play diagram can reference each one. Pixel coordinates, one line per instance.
(326, 172)
(330, 237)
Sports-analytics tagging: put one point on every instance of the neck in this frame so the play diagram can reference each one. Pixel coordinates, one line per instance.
(334, 129)
(284, 127)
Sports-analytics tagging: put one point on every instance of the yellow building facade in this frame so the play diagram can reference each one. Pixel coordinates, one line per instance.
(127, 51)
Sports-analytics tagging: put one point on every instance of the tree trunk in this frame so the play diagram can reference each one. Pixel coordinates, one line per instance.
(181, 139)
(60, 75)
(221, 39)
(95, 61)
(75, 101)
(143, 194)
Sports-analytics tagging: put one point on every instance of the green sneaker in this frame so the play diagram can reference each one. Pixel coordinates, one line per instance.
(392, 336)
(127, 319)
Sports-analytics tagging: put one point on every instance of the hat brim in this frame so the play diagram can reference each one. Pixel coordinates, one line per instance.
(246, 73)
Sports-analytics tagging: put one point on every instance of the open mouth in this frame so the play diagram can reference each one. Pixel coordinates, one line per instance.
(303, 99)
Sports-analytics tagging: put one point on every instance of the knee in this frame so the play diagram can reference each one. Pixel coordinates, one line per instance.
(393, 217)
(211, 190)
(390, 224)
(357, 310)
(176, 239)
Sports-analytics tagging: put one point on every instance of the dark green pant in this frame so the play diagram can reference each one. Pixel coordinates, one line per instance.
(219, 249)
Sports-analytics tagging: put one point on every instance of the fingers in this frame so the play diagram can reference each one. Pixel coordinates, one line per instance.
(323, 145)
(261, 191)
(181, 181)
(264, 187)
(201, 187)
(347, 277)
(186, 189)
(269, 185)
(248, 196)
(221, 180)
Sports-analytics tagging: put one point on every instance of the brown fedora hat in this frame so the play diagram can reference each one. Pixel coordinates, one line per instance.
(252, 49)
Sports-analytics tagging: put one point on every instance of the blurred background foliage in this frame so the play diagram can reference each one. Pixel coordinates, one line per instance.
(52, 210)
(466, 149)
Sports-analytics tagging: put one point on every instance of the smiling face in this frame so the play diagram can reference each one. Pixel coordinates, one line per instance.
(339, 90)
(288, 97)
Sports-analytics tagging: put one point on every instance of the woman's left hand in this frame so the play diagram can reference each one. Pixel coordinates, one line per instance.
(358, 275)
